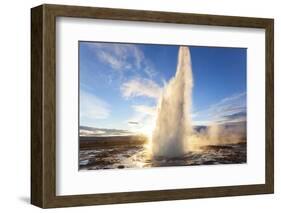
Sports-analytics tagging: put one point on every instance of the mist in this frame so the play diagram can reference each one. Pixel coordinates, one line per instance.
(218, 134)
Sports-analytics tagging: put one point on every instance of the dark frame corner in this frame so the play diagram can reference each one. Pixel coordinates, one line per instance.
(43, 102)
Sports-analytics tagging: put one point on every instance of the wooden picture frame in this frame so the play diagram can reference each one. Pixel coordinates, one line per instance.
(43, 105)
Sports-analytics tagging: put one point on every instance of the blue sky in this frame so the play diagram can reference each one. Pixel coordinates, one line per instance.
(120, 83)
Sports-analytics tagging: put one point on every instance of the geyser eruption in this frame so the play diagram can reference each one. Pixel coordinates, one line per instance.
(173, 122)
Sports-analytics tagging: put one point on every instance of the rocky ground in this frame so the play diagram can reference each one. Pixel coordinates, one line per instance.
(137, 156)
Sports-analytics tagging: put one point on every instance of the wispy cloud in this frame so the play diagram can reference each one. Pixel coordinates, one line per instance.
(122, 57)
(141, 87)
(92, 107)
(229, 109)
(236, 117)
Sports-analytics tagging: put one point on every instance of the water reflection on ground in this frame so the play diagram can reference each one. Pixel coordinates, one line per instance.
(137, 156)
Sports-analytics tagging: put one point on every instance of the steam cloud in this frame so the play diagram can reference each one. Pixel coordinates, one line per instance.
(219, 134)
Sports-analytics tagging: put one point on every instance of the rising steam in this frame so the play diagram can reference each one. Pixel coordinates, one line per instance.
(173, 135)
(173, 123)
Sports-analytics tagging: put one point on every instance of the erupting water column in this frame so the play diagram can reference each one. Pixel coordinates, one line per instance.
(173, 123)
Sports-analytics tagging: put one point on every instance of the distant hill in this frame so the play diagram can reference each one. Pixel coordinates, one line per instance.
(85, 131)
(240, 126)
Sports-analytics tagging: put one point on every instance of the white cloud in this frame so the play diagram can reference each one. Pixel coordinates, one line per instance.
(92, 107)
(141, 87)
(229, 109)
(149, 69)
(113, 61)
(230, 105)
(122, 57)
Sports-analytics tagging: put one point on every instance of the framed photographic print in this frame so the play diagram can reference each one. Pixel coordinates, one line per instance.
(136, 106)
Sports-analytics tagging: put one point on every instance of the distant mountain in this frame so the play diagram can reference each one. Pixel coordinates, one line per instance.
(240, 126)
(85, 131)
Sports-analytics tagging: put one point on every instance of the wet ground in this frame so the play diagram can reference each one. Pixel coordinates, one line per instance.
(137, 156)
